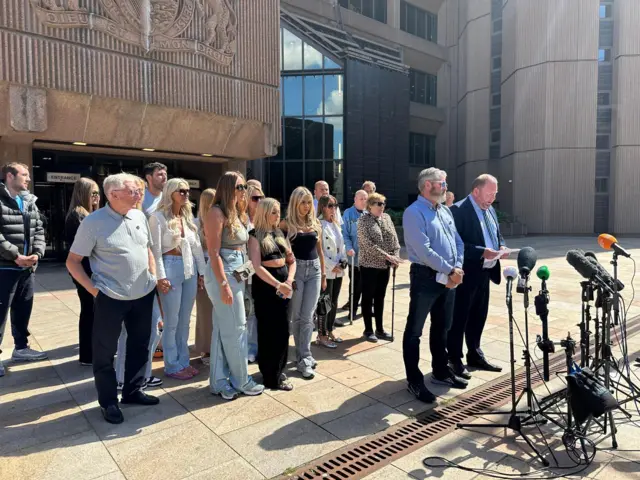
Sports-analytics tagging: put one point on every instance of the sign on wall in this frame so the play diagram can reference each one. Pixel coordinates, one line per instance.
(55, 177)
(193, 183)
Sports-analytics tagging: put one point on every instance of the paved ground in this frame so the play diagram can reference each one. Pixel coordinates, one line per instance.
(51, 427)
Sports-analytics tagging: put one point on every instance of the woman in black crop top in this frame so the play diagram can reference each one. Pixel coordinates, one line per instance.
(303, 231)
(275, 268)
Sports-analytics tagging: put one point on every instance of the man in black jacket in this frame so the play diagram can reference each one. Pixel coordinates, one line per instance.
(22, 245)
(477, 225)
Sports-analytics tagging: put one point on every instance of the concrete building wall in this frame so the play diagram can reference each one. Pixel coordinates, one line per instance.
(549, 92)
(625, 144)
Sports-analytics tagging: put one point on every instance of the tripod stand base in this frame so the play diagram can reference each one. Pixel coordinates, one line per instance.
(515, 424)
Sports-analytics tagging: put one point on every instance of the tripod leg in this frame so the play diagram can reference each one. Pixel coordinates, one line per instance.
(544, 461)
(614, 441)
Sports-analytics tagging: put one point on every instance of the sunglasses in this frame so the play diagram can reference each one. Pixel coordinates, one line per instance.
(241, 188)
(257, 198)
(184, 192)
(379, 204)
(95, 194)
(331, 205)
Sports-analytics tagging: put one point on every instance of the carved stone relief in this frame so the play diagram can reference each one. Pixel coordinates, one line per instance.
(152, 24)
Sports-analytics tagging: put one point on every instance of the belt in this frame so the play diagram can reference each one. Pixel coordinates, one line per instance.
(428, 270)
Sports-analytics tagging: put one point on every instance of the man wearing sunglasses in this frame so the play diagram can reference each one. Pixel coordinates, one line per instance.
(436, 253)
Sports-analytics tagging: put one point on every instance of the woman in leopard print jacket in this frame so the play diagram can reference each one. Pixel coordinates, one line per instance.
(379, 250)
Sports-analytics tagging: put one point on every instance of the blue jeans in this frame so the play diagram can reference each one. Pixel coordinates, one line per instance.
(427, 297)
(302, 307)
(177, 305)
(252, 324)
(229, 336)
(154, 339)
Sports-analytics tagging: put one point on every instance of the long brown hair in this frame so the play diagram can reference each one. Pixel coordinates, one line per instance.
(225, 199)
(323, 203)
(81, 197)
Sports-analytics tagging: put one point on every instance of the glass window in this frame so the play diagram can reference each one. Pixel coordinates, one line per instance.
(497, 26)
(604, 98)
(334, 134)
(293, 177)
(602, 185)
(495, 100)
(604, 55)
(313, 95)
(418, 22)
(329, 64)
(293, 138)
(333, 95)
(497, 63)
(605, 11)
(432, 90)
(380, 10)
(313, 171)
(292, 95)
(312, 58)
(412, 13)
(313, 143)
(291, 51)
(403, 16)
(276, 180)
(495, 136)
(602, 142)
(421, 27)
(367, 8)
(422, 149)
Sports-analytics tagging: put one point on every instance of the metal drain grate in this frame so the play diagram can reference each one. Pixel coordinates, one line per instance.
(365, 457)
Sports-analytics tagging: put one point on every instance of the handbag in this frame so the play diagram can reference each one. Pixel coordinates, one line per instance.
(324, 304)
(244, 271)
(588, 396)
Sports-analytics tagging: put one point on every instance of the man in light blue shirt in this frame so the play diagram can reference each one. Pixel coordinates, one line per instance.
(350, 235)
(436, 253)
(156, 176)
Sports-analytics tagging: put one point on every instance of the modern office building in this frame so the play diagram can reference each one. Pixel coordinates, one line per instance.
(544, 94)
(95, 87)
(359, 96)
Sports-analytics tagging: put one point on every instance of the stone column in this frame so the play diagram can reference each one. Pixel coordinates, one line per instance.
(393, 13)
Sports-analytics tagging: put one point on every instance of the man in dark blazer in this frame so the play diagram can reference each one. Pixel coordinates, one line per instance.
(477, 224)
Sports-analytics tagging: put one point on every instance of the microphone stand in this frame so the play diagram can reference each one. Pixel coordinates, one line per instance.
(585, 332)
(517, 418)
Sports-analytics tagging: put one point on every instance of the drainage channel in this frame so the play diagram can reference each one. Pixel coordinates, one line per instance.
(362, 458)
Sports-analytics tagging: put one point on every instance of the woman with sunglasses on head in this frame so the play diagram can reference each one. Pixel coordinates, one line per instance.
(254, 196)
(275, 269)
(303, 232)
(179, 265)
(84, 200)
(379, 250)
(227, 238)
(204, 308)
(335, 261)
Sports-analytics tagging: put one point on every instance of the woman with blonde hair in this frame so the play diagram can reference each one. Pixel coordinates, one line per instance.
(179, 264)
(227, 237)
(204, 308)
(254, 197)
(303, 232)
(272, 287)
(335, 262)
(379, 250)
(84, 200)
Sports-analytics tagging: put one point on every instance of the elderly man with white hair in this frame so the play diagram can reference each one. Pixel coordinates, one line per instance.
(117, 241)
(436, 252)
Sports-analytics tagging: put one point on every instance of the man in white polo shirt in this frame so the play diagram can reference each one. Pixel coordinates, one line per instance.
(117, 241)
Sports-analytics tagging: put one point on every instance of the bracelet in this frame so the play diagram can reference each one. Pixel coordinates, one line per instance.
(278, 285)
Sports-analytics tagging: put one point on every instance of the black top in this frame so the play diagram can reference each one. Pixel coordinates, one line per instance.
(304, 246)
(277, 255)
(71, 226)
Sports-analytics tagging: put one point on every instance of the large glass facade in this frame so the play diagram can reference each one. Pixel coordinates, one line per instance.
(311, 91)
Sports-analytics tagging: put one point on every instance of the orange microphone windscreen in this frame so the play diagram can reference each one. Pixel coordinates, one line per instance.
(605, 241)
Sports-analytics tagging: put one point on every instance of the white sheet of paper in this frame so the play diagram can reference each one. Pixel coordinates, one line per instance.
(503, 253)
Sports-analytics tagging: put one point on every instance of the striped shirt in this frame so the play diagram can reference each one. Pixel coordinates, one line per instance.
(117, 247)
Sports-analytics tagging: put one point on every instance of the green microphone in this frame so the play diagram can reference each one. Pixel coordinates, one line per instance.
(543, 273)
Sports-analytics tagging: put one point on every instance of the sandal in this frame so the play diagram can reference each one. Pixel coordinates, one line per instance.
(335, 339)
(192, 370)
(181, 375)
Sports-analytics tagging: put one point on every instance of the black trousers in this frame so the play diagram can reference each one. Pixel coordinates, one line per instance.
(85, 327)
(108, 317)
(326, 322)
(374, 289)
(16, 293)
(357, 286)
(469, 316)
(427, 297)
(273, 327)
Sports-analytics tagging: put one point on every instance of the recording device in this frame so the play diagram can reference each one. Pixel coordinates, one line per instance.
(606, 276)
(510, 274)
(541, 301)
(609, 242)
(527, 258)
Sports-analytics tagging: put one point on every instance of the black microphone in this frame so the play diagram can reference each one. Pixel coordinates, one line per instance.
(584, 267)
(527, 258)
(606, 276)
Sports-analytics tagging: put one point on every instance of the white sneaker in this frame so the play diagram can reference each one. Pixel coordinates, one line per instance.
(28, 355)
(307, 372)
(252, 389)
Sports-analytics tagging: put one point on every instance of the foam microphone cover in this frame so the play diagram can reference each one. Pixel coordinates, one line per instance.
(583, 266)
(510, 273)
(543, 273)
(527, 258)
(603, 273)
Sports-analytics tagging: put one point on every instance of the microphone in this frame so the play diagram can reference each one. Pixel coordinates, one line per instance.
(527, 259)
(510, 274)
(609, 242)
(543, 273)
(583, 266)
(606, 276)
